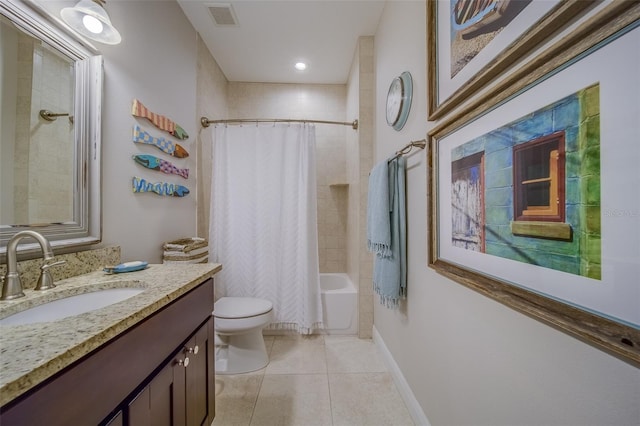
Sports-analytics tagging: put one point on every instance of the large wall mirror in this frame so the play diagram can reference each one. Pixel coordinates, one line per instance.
(51, 94)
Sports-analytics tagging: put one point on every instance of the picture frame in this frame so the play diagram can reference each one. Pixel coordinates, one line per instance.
(462, 61)
(594, 299)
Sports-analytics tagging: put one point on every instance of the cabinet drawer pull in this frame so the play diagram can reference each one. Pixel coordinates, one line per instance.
(183, 362)
(193, 350)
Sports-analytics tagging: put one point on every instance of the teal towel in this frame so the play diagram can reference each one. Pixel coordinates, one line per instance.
(390, 271)
(378, 207)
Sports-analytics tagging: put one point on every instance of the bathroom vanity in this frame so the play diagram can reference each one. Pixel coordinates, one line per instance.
(145, 360)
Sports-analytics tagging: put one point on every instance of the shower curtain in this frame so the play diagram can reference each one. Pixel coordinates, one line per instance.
(263, 227)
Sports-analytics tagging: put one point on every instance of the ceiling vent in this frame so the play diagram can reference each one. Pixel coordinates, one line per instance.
(223, 14)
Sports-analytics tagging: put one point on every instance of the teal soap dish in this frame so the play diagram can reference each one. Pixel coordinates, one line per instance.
(126, 267)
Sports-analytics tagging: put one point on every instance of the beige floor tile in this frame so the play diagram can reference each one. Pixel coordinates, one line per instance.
(297, 356)
(312, 380)
(236, 396)
(352, 355)
(367, 399)
(268, 342)
(293, 400)
(318, 338)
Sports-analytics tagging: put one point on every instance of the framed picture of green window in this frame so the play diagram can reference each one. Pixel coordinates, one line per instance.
(534, 195)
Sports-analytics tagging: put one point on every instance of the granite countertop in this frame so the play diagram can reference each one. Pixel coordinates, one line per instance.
(31, 353)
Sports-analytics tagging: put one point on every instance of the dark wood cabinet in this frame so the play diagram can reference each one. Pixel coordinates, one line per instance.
(181, 393)
(116, 420)
(162, 401)
(141, 377)
(200, 379)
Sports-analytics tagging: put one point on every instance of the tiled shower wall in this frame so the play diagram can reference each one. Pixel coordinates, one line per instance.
(51, 189)
(360, 101)
(341, 162)
(309, 101)
(47, 195)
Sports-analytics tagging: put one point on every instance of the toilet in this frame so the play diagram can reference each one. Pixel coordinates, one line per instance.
(238, 324)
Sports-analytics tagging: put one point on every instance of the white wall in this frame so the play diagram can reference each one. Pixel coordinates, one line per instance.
(156, 64)
(468, 359)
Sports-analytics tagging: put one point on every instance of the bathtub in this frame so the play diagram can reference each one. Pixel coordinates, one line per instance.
(339, 304)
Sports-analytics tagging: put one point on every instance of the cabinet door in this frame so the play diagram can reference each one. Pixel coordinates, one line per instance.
(200, 381)
(117, 420)
(162, 402)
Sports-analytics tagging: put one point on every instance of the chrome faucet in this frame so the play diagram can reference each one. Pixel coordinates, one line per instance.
(12, 288)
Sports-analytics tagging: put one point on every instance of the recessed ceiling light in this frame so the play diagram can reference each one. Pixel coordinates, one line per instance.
(301, 66)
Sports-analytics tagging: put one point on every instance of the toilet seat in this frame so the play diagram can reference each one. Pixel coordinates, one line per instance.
(241, 307)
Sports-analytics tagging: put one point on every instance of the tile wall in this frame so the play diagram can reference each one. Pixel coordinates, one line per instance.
(211, 102)
(360, 164)
(344, 156)
(45, 196)
(309, 101)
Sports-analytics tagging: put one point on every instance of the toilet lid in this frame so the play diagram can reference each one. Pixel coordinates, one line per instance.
(240, 307)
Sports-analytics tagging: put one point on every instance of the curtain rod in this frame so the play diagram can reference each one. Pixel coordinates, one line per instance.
(205, 122)
(422, 143)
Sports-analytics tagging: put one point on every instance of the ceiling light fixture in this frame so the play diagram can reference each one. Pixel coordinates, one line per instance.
(89, 18)
(301, 66)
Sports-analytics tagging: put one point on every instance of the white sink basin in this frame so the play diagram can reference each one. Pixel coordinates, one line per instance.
(70, 306)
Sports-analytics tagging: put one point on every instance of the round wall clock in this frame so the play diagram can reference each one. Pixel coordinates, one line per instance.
(399, 100)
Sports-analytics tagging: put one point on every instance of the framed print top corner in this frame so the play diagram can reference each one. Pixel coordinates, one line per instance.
(471, 44)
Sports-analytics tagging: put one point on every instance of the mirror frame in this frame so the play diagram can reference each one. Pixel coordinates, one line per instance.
(85, 227)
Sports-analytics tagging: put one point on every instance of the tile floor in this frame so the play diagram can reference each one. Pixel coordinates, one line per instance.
(313, 380)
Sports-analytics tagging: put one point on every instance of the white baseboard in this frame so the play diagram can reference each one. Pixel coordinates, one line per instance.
(418, 416)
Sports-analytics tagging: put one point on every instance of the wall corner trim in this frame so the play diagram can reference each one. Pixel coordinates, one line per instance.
(415, 411)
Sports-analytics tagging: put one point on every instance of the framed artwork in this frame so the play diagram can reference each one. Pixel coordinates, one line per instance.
(471, 43)
(534, 201)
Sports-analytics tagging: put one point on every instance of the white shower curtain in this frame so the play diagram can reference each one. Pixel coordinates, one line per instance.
(263, 227)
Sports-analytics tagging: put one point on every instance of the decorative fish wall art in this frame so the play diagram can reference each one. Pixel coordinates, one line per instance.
(155, 163)
(160, 188)
(165, 145)
(160, 121)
